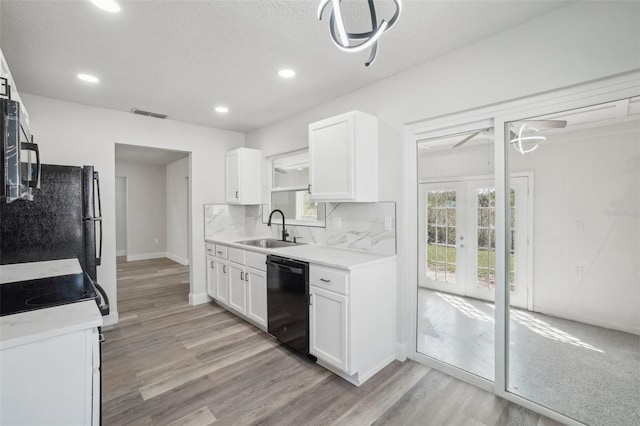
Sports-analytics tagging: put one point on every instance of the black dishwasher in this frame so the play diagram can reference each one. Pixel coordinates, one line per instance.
(288, 302)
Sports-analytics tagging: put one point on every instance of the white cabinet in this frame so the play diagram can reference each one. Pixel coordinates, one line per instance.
(211, 276)
(352, 318)
(243, 176)
(240, 282)
(257, 296)
(54, 381)
(237, 288)
(343, 158)
(328, 325)
(222, 284)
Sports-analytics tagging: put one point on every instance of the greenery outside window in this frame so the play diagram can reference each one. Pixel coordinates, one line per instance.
(289, 190)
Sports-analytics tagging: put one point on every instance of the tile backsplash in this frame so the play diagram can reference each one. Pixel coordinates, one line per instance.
(356, 226)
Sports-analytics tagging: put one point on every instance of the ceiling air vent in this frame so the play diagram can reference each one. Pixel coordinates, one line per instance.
(147, 113)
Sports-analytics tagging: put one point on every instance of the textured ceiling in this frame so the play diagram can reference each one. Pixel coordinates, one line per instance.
(181, 58)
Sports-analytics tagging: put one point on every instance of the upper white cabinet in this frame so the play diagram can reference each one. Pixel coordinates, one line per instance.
(343, 158)
(243, 171)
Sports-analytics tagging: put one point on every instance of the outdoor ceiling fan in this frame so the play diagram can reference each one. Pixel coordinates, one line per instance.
(517, 138)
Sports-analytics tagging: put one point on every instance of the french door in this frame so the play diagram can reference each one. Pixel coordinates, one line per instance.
(457, 238)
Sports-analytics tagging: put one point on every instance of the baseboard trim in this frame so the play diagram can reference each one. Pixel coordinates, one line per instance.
(145, 256)
(401, 351)
(110, 319)
(179, 259)
(198, 298)
(120, 253)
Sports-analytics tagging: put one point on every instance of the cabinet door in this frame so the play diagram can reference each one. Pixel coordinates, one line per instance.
(257, 296)
(222, 284)
(328, 327)
(211, 276)
(237, 288)
(331, 159)
(232, 177)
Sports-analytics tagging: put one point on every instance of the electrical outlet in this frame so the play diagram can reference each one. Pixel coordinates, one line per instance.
(388, 223)
(578, 271)
(336, 223)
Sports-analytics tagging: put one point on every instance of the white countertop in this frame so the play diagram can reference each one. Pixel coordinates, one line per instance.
(27, 327)
(312, 253)
(32, 326)
(35, 270)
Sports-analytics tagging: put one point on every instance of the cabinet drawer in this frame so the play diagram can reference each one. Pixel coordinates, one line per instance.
(221, 251)
(236, 255)
(256, 260)
(211, 249)
(330, 279)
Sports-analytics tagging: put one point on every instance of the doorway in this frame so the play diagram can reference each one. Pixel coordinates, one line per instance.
(457, 245)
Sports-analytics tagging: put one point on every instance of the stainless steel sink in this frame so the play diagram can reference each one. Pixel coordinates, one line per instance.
(268, 243)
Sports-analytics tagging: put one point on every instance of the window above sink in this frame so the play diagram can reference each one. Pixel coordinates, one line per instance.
(289, 190)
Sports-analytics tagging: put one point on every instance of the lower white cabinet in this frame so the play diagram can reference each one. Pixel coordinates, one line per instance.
(54, 381)
(221, 282)
(257, 296)
(328, 325)
(352, 318)
(211, 275)
(237, 279)
(237, 288)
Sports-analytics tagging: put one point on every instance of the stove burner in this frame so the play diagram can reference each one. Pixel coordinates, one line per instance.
(22, 296)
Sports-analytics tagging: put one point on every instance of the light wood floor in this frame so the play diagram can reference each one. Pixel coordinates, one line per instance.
(169, 363)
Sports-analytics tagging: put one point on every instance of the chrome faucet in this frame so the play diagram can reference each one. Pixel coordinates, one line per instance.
(285, 234)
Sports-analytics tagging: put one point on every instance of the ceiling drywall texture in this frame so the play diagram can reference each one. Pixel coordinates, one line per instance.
(182, 58)
(141, 154)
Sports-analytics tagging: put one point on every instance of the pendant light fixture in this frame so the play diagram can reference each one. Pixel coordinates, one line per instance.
(517, 142)
(356, 42)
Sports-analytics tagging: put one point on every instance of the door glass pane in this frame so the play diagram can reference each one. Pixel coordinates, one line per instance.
(441, 236)
(575, 346)
(454, 327)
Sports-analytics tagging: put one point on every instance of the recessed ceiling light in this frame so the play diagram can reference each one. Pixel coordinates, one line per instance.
(107, 5)
(88, 78)
(286, 73)
(222, 109)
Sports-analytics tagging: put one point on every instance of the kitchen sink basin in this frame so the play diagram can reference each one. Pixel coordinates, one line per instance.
(268, 243)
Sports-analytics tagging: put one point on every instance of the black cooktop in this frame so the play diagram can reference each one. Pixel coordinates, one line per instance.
(23, 296)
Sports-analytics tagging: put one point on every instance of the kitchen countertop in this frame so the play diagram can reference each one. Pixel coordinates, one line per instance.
(27, 327)
(35, 270)
(312, 253)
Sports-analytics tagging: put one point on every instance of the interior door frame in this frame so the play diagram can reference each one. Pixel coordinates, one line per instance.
(498, 115)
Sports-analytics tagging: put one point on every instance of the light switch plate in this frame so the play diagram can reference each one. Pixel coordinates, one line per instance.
(388, 223)
(336, 223)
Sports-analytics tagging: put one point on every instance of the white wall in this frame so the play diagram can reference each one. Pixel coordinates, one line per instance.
(578, 176)
(578, 43)
(146, 209)
(75, 134)
(121, 215)
(177, 211)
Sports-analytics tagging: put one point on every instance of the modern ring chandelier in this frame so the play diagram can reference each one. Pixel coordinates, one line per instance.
(355, 42)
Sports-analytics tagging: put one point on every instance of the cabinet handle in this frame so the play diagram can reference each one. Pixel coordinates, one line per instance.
(241, 276)
(310, 299)
(236, 194)
(219, 252)
(246, 276)
(309, 188)
(325, 281)
(224, 269)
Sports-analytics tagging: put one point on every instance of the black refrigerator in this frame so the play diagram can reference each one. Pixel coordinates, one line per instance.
(63, 221)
